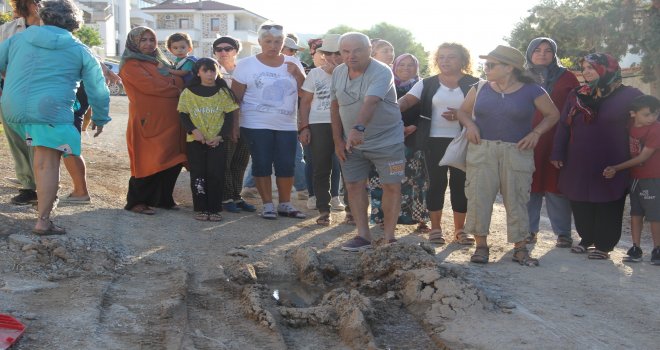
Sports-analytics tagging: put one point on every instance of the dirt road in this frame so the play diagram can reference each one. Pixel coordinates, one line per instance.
(120, 280)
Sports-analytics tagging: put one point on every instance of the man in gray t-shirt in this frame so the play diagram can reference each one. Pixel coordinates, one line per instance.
(368, 132)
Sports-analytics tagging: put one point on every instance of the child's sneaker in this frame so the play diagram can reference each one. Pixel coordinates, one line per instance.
(655, 256)
(634, 254)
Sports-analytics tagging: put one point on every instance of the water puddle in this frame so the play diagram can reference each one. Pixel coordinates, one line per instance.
(293, 293)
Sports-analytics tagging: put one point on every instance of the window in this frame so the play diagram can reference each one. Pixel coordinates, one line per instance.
(184, 23)
(215, 24)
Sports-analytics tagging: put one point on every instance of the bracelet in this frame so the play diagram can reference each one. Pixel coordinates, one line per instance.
(536, 132)
(303, 128)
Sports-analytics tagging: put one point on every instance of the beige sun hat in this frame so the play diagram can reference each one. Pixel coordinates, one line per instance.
(288, 42)
(330, 43)
(507, 55)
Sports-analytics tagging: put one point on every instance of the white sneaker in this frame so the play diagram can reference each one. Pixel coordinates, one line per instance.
(336, 204)
(302, 195)
(311, 203)
(250, 192)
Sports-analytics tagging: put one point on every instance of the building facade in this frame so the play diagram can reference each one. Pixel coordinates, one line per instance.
(205, 21)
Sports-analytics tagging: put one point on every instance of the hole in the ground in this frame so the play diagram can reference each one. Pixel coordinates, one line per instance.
(293, 293)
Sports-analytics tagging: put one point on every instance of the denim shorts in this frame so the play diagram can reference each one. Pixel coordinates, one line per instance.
(271, 148)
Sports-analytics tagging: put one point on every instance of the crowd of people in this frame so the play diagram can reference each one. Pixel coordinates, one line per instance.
(360, 116)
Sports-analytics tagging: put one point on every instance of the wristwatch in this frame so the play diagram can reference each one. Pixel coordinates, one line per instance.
(359, 127)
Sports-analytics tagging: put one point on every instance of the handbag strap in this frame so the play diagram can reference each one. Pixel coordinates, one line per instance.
(480, 84)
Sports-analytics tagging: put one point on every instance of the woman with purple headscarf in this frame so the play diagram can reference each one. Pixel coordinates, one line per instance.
(591, 134)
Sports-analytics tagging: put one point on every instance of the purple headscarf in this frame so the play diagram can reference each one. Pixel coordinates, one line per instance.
(405, 85)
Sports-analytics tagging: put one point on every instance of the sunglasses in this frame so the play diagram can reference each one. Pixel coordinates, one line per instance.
(272, 26)
(331, 53)
(491, 65)
(225, 49)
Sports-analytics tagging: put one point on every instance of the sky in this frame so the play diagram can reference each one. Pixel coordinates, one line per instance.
(480, 25)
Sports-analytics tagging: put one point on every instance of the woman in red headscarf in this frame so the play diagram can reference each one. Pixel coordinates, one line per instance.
(592, 134)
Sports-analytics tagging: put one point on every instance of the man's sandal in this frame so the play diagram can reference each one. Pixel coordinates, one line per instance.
(481, 255)
(463, 238)
(435, 236)
(521, 256)
(324, 219)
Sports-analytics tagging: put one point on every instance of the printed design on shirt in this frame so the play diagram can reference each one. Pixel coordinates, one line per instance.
(322, 91)
(635, 146)
(397, 167)
(278, 95)
(645, 195)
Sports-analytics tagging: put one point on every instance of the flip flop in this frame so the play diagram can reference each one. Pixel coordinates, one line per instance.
(76, 200)
(51, 230)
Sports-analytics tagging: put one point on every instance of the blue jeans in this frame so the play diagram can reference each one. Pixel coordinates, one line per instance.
(299, 182)
(559, 212)
(248, 179)
(271, 149)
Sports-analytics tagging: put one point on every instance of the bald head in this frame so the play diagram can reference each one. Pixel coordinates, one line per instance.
(355, 50)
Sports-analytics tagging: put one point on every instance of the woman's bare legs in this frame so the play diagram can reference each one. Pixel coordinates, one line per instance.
(47, 173)
(76, 168)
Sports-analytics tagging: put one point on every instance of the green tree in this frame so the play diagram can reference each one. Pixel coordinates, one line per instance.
(401, 38)
(89, 36)
(5, 17)
(584, 26)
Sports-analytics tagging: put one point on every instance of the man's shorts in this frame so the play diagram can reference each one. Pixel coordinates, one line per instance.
(645, 199)
(390, 162)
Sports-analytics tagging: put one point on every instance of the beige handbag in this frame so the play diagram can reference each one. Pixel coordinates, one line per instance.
(456, 152)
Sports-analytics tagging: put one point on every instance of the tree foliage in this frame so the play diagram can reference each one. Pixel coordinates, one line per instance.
(5, 17)
(584, 26)
(401, 38)
(89, 36)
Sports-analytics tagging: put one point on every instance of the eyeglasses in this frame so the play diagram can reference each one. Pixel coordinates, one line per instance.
(272, 26)
(225, 49)
(491, 65)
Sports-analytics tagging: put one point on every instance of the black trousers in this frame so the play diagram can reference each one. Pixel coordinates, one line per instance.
(435, 197)
(207, 176)
(323, 149)
(599, 223)
(154, 190)
(237, 156)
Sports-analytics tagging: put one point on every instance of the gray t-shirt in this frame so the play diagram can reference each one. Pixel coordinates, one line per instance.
(385, 127)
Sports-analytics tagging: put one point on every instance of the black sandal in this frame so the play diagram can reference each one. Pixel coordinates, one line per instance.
(324, 219)
(598, 255)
